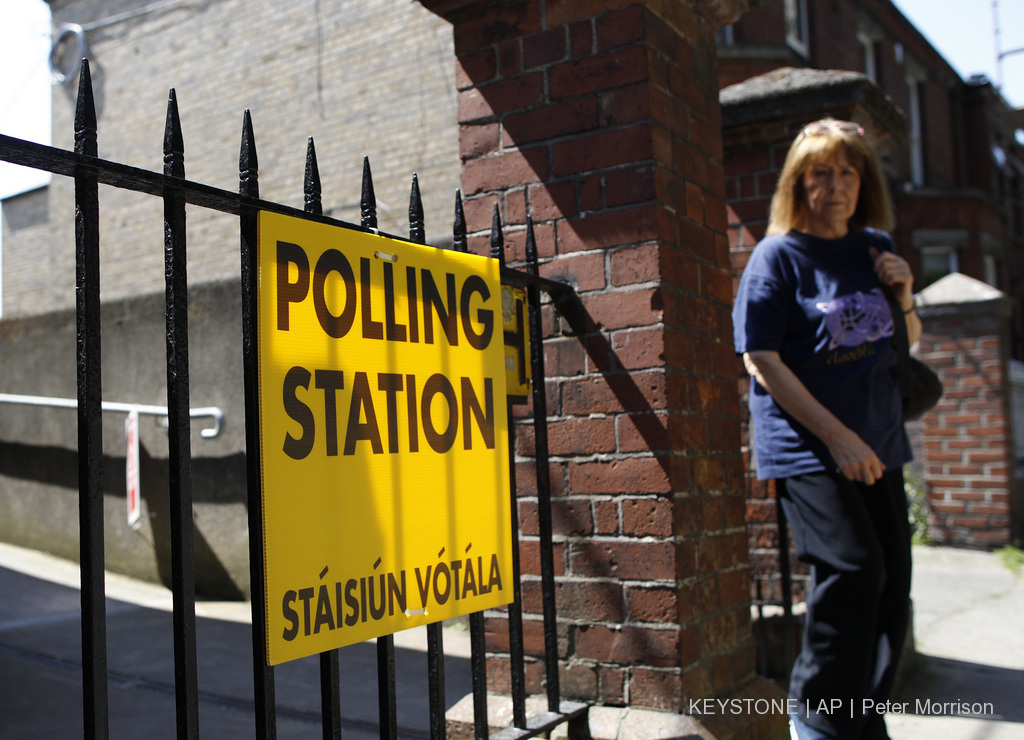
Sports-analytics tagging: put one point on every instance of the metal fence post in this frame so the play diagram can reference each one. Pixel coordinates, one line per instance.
(179, 429)
(90, 427)
(387, 708)
(330, 670)
(516, 652)
(540, 430)
(263, 674)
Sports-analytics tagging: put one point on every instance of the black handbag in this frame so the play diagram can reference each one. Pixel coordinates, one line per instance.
(920, 387)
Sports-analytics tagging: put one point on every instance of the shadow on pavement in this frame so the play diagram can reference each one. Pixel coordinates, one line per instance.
(943, 686)
(40, 674)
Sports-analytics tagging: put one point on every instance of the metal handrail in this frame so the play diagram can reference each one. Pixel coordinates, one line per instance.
(212, 412)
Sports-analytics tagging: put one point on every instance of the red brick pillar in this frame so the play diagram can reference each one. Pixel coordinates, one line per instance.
(602, 120)
(967, 440)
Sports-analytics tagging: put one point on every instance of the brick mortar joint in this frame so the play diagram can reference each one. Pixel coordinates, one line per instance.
(673, 539)
(599, 457)
(741, 607)
(570, 578)
(553, 141)
(614, 626)
(616, 289)
(610, 624)
(694, 580)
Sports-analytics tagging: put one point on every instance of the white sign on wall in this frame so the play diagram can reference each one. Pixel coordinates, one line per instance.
(131, 466)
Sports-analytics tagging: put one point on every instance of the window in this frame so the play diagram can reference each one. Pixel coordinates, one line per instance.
(869, 56)
(993, 254)
(916, 142)
(937, 262)
(726, 35)
(796, 26)
(940, 253)
(991, 271)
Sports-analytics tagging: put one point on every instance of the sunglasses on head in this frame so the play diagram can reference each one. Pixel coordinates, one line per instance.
(824, 128)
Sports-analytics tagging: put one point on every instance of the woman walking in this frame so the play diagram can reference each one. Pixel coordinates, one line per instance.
(815, 328)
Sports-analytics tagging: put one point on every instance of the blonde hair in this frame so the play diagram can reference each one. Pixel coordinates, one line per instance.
(822, 141)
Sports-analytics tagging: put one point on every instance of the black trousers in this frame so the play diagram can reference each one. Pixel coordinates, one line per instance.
(857, 540)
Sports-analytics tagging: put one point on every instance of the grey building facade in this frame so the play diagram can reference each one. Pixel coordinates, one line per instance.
(369, 78)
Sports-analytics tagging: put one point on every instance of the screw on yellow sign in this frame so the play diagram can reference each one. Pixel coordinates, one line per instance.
(517, 343)
(383, 435)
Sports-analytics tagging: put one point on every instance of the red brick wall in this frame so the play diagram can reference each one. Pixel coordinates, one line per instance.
(602, 120)
(754, 159)
(764, 24)
(942, 128)
(967, 438)
(956, 142)
(969, 212)
(755, 154)
(834, 45)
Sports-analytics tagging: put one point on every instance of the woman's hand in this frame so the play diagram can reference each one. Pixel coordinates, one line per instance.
(853, 457)
(894, 271)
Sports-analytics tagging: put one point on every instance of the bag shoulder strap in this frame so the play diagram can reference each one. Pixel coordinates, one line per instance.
(900, 340)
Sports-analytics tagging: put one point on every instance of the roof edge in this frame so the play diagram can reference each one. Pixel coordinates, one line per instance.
(785, 92)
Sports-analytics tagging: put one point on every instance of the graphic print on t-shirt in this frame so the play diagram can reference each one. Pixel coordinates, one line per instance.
(857, 318)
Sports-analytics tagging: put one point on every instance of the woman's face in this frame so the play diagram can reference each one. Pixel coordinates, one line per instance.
(832, 188)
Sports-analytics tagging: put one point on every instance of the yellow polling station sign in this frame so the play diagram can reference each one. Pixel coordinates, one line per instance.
(383, 435)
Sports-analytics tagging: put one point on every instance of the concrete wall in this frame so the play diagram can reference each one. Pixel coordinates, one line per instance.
(38, 446)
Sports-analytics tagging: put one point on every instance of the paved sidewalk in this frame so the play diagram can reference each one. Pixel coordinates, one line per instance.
(968, 684)
(41, 675)
(969, 632)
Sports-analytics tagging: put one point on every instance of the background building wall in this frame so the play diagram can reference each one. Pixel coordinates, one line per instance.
(368, 78)
(608, 130)
(38, 446)
(968, 462)
(952, 197)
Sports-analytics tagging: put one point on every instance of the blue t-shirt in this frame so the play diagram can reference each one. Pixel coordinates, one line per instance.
(817, 302)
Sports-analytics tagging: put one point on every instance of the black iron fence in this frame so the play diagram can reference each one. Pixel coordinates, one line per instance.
(776, 648)
(89, 171)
